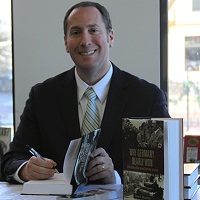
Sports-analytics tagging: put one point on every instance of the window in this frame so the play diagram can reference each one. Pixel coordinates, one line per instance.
(196, 5)
(184, 63)
(6, 94)
(192, 53)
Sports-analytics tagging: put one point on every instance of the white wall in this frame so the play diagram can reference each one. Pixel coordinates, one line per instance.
(39, 51)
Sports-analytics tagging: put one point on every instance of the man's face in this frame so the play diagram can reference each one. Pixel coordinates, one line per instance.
(87, 40)
(154, 126)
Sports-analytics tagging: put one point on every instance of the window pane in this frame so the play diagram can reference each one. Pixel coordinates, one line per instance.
(6, 96)
(196, 5)
(184, 63)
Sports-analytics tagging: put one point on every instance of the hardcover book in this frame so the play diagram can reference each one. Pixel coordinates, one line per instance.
(152, 167)
(95, 192)
(5, 139)
(196, 195)
(189, 191)
(76, 160)
(52, 186)
(191, 173)
(191, 148)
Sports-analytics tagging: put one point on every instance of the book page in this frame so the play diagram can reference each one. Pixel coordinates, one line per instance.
(70, 159)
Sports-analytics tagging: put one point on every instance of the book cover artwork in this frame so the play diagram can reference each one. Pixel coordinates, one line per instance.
(5, 139)
(88, 145)
(143, 148)
(191, 148)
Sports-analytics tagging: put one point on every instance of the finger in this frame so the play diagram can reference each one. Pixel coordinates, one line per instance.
(99, 172)
(98, 152)
(40, 174)
(102, 167)
(47, 163)
(50, 163)
(98, 160)
(37, 168)
(37, 172)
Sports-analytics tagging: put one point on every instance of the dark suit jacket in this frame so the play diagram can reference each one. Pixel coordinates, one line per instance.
(50, 118)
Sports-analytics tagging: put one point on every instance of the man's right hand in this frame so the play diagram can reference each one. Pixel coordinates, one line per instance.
(37, 169)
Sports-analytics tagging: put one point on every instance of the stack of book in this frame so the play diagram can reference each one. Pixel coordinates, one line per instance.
(191, 176)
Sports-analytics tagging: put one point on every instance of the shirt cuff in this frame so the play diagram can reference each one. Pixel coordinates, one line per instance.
(16, 174)
(117, 177)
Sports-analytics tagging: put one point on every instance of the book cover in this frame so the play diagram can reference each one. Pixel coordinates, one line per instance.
(191, 173)
(149, 161)
(88, 144)
(92, 195)
(5, 139)
(95, 192)
(191, 148)
(189, 192)
(196, 195)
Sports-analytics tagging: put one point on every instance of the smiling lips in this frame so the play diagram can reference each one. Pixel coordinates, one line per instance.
(87, 53)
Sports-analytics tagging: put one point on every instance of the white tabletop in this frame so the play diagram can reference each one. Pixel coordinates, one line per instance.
(13, 192)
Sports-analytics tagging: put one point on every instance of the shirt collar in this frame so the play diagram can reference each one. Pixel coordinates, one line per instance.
(101, 88)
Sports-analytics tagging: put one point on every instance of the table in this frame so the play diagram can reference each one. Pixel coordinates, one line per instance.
(13, 192)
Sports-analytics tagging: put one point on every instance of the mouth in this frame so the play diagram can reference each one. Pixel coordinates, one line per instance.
(87, 53)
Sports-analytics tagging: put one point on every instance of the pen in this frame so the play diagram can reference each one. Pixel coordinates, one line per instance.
(36, 154)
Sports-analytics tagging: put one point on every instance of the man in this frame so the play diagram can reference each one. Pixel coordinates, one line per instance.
(157, 136)
(55, 110)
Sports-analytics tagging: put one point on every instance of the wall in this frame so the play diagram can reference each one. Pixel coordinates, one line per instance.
(39, 50)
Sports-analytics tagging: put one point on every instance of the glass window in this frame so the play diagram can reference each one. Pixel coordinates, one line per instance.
(192, 53)
(184, 63)
(6, 93)
(196, 5)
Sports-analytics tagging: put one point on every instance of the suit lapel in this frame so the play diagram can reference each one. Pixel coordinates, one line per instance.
(67, 89)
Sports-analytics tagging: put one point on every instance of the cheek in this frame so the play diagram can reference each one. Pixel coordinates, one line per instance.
(104, 42)
(68, 46)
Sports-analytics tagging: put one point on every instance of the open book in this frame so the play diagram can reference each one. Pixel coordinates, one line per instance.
(95, 192)
(55, 185)
(76, 160)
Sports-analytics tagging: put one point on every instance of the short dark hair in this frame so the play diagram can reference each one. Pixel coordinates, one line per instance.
(104, 13)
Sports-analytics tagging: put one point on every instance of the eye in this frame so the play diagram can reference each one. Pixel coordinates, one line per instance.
(74, 33)
(93, 30)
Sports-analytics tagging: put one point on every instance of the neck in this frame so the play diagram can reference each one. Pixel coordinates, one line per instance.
(90, 76)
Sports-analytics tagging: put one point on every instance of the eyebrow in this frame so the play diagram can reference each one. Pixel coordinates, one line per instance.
(89, 26)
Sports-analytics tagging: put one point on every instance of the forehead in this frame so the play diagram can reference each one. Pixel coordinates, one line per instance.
(84, 16)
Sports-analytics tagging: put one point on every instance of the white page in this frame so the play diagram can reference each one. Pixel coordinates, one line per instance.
(70, 159)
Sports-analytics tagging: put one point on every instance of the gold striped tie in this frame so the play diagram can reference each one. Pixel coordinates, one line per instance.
(91, 119)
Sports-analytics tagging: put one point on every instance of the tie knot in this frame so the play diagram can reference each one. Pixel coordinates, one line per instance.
(90, 93)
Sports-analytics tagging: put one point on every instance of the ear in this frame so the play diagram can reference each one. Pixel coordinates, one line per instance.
(111, 38)
(66, 46)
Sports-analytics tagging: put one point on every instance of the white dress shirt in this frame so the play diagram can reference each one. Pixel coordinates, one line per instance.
(101, 89)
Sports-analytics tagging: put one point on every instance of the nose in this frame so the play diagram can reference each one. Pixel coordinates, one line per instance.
(85, 39)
